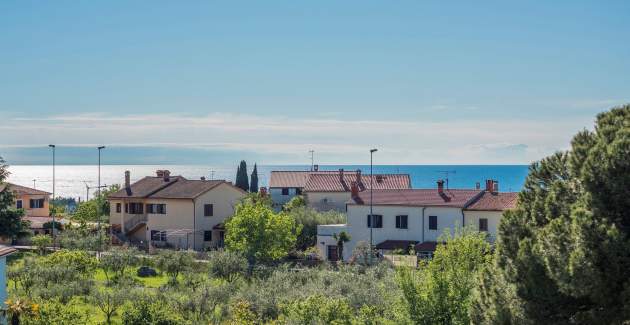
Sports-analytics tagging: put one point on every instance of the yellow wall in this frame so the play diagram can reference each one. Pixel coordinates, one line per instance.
(28, 212)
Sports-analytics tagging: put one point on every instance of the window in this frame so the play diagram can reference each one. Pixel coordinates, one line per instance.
(433, 222)
(378, 221)
(157, 235)
(401, 222)
(118, 207)
(208, 210)
(207, 235)
(298, 191)
(285, 191)
(126, 207)
(18, 204)
(37, 203)
(135, 208)
(483, 224)
(156, 208)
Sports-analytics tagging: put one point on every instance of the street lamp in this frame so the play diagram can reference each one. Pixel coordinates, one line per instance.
(372, 151)
(54, 225)
(98, 204)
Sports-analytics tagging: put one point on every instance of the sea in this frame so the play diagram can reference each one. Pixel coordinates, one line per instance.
(79, 181)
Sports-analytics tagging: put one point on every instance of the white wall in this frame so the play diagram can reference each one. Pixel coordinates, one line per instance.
(494, 218)
(278, 199)
(325, 238)
(324, 201)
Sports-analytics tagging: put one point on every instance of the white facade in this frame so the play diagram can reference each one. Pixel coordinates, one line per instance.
(324, 201)
(280, 199)
(418, 228)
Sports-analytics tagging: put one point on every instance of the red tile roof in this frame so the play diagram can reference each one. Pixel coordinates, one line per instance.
(418, 197)
(289, 178)
(177, 187)
(329, 181)
(494, 202)
(4, 251)
(22, 190)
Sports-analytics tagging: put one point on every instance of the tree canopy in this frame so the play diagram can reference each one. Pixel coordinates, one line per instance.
(563, 255)
(242, 179)
(11, 224)
(253, 186)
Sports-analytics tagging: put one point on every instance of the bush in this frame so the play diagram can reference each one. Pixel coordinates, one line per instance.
(41, 242)
(173, 263)
(53, 312)
(227, 265)
(118, 260)
(148, 310)
(318, 309)
(309, 219)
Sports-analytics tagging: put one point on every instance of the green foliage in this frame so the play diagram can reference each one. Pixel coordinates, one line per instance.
(309, 219)
(341, 239)
(440, 292)
(11, 224)
(199, 304)
(241, 176)
(253, 186)
(81, 261)
(53, 312)
(41, 242)
(148, 310)
(318, 309)
(117, 261)
(563, 255)
(259, 233)
(297, 201)
(227, 265)
(86, 212)
(110, 300)
(173, 263)
(83, 239)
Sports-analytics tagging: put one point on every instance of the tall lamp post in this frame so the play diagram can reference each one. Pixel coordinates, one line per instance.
(372, 151)
(98, 204)
(54, 225)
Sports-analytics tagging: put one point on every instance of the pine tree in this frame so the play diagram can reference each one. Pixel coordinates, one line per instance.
(242, 180)
(563, 255)
(253, 187)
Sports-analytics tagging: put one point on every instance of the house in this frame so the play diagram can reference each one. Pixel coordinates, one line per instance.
(329, 190)
(33, 202)
(172, 211)
(4, 252)
(415, 218)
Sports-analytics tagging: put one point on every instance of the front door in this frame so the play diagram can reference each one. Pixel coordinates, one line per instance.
(332, 253)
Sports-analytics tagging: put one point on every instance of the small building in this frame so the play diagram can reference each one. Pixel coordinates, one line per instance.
(415, 218)
(4, 252)
(172, 211)
(34, 202)
(329, 190)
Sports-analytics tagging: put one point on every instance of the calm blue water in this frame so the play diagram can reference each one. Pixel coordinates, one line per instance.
(71, 180)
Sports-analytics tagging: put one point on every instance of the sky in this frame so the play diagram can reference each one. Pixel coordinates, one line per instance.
(425, 82)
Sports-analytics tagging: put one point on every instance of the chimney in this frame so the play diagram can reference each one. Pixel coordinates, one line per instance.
(127, 180)
(358, 177)
(167, 175)
(341, 175)
(354, 189)
(316, 168)
(495, 188)
(440, 185)
(159, 173)
(203, 178)
(263, 191)
(478, 185)
(489, 185)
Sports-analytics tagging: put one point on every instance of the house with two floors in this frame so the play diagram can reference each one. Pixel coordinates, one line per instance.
(415, 218)
(329, 190)
(172, 211)
(35, 204)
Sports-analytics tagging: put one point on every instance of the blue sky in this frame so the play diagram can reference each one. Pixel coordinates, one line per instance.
(209, 81)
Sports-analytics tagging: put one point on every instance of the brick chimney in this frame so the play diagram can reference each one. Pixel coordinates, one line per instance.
(354, 190)
(489, 185)
(358, 177)
(478, 186)
(495, 188)
(159, 173)
(167, 175)
(440, 185)
(127, 180)
(203, 178)
(341, 175)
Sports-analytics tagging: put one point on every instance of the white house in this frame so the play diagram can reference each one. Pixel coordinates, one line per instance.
(4, 252)
(329, 190)
(415, 218)
(173, 211)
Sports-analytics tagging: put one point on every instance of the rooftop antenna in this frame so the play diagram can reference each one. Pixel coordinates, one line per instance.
(211, 175)
(446, 173)
(312, 152)
(34, 183)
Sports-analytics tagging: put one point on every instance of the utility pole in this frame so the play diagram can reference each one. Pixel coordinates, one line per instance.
(54, 225)
(372, 151)
(34, 183)
(98, 204)
(446, 173)
(212, 175)
(312, 152)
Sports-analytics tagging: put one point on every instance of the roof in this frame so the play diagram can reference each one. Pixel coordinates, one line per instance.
(494, 202)
(23, 190)
(457, 198)
(4, 251)
(396, 244)
(427, 246)
(329, 181)
(177, 187)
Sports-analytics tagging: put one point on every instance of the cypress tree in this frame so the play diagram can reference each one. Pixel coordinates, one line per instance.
(563, 255)
(242, 179)
(253, 187)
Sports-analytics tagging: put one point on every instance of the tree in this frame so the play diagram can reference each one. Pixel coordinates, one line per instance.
(173, 263)
(253, 187)
(11, 224)
(260, 234)
(41, 242)
(309, 219)
(563, 255)
(117, 261)
(227, 265)
(441, 291)
(110, 300)
(242, 180)
(86, 212)
(149, 310)
(53, 312)
(341, 239)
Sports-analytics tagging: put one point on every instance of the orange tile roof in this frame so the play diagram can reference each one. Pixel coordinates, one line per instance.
(418, 197)
(22, 190)
(494, 202)
(329, 181)
(289, 178)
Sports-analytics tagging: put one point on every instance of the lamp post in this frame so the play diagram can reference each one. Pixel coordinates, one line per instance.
(372, 151)
(54, 225)
(98, 203)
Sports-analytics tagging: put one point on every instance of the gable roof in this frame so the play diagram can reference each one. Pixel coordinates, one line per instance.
(22, 190)
(330, 181)
(177, 187)
(494, 202)
(456, 198)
